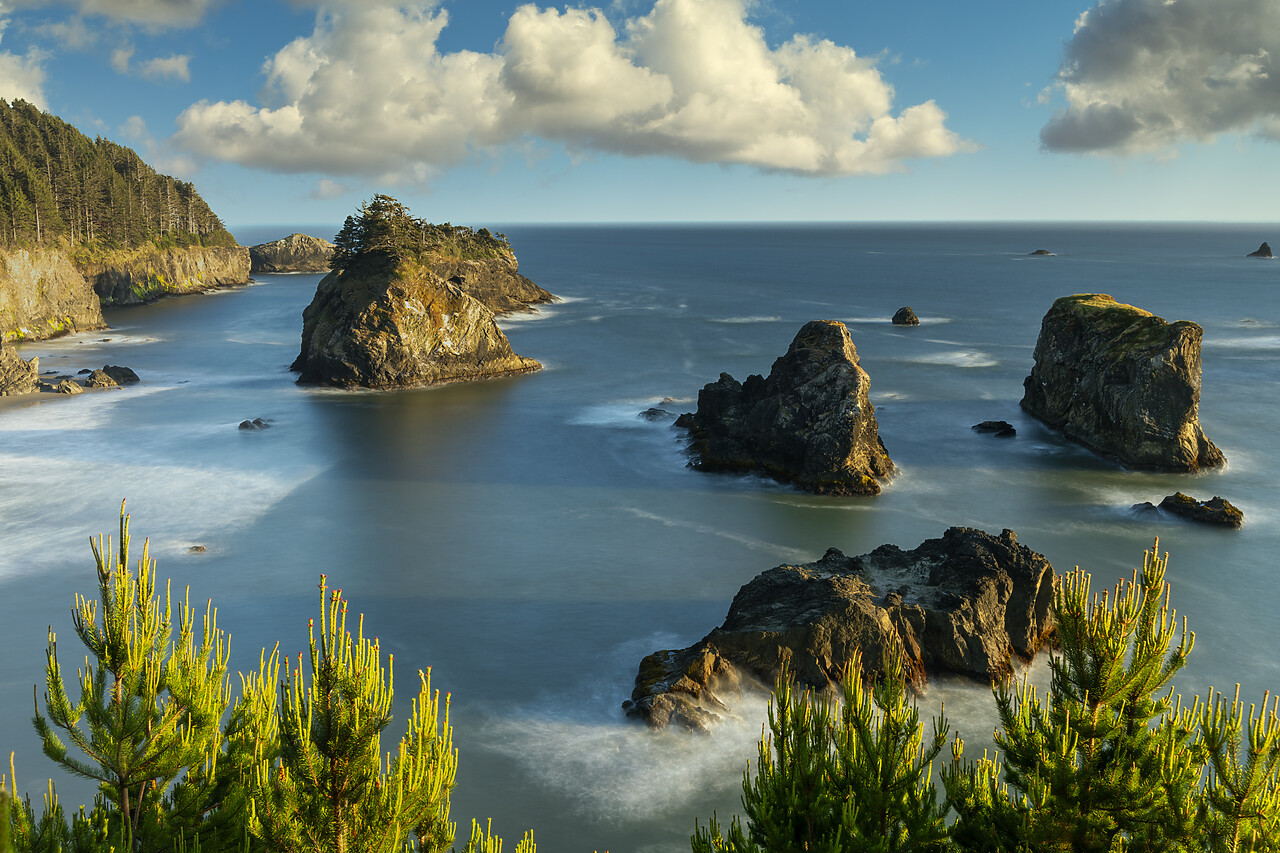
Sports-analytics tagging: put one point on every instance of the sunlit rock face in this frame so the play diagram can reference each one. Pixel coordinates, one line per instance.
(1122, 382)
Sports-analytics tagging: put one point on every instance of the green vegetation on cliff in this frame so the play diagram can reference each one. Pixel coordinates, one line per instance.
(59, 187)
(384, 231)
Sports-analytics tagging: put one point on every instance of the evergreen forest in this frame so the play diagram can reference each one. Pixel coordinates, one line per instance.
(58, 187)
(1110, 759)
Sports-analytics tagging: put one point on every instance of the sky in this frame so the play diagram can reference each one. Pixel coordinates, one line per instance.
(493, 112)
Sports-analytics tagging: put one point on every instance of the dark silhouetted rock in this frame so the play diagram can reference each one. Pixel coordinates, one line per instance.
(295, 253)
(656, 414)
(100, 379)
(1121, 381)
(810, 423)
(256, 423)
(1216, 510)
(122, 375)
(906, 317)
(1001, 429)
(17, 374)
(1264, 251)
(966, 603)
(381, 326)
(1041, 253)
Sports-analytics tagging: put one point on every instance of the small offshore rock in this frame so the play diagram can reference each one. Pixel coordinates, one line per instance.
(122, 375)
(810, 423)
(197, 549)
(67, 386)
(1001, 429)
(99, 379)
(1041, 253)
(1264, 251)
(1216, 510)
(83, 371)
(17, 374)
(1122, 382)
(906, 317)
(657, 414)
(256, 423)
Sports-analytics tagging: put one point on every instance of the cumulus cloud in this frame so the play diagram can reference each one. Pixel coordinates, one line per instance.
(167, 67)
(155, 13)
(368, 94)
(120, 58)
(22, 76)
(1143, 75)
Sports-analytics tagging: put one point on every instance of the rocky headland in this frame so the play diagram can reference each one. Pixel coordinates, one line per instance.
(145, 275)
(381, 324)
(968, 602)
(43, 295)
(1121, 381)
(810, 423)
(295, 253)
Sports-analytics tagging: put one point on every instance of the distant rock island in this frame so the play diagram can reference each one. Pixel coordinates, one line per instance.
(1044, 253)
(295, 253)
(968, 602)
(384, 318)
(1121, 381)
(810, 423)
(1264, 251)
(124, 236)
(905, 317)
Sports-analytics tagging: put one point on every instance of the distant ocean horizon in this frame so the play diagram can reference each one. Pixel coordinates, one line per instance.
(531, 539)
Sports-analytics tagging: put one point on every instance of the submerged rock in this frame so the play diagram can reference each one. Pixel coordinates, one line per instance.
(809, 424)
(17, 374)
(906, 317)
(1264, 251)
(383, 325)
(1041, 253)
(966, 603)
(255, 424)
(295, 253)
(1001, 429)
(1121, 381)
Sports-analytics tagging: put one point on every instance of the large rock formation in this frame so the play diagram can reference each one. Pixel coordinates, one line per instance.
(17, 375)
(146, 275)
(381, 326)
(1121, 381)
(43, 295)
(496, 282)
(295, 253)
(810, 423)
(966, 603)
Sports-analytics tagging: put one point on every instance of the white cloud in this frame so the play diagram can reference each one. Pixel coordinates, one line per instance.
(166, 67)
(22, 76)
(1144, 75)
(154, 13)
(73, 33)
(134, 128)
(368, 94)
(120, 58)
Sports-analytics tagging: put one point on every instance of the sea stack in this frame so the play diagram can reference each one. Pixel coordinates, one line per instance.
(295, 253)
(810, 423)
(967, 603)
(1264, 251)
(1123, 382)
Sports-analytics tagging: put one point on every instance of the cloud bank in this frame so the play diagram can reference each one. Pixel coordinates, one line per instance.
(367, 94)
(154, 13)
(21, 76)
(1143, 75)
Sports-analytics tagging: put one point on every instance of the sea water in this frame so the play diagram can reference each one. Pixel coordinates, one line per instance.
(531, 539)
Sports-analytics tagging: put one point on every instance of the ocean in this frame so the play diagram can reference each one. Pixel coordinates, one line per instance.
(530, 539)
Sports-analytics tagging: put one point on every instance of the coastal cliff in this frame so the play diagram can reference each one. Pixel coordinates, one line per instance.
(145, 275)
(43, 295)
(1121, 381)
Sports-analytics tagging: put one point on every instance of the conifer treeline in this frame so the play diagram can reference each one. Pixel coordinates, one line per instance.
(59, 187)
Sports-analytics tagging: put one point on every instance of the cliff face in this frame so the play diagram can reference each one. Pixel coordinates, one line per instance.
(809, 423)
(145, 276)
(377, 326)
(43, 295)
(295, 253)
(496, 282)
(1121, 381)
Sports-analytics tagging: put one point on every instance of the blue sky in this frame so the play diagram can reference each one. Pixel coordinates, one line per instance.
(490, 111)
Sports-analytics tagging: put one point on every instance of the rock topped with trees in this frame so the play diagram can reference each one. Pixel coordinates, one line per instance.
(810, 423)
(384, 319)
(1123, 382)
(966, 603)
(295, 253)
